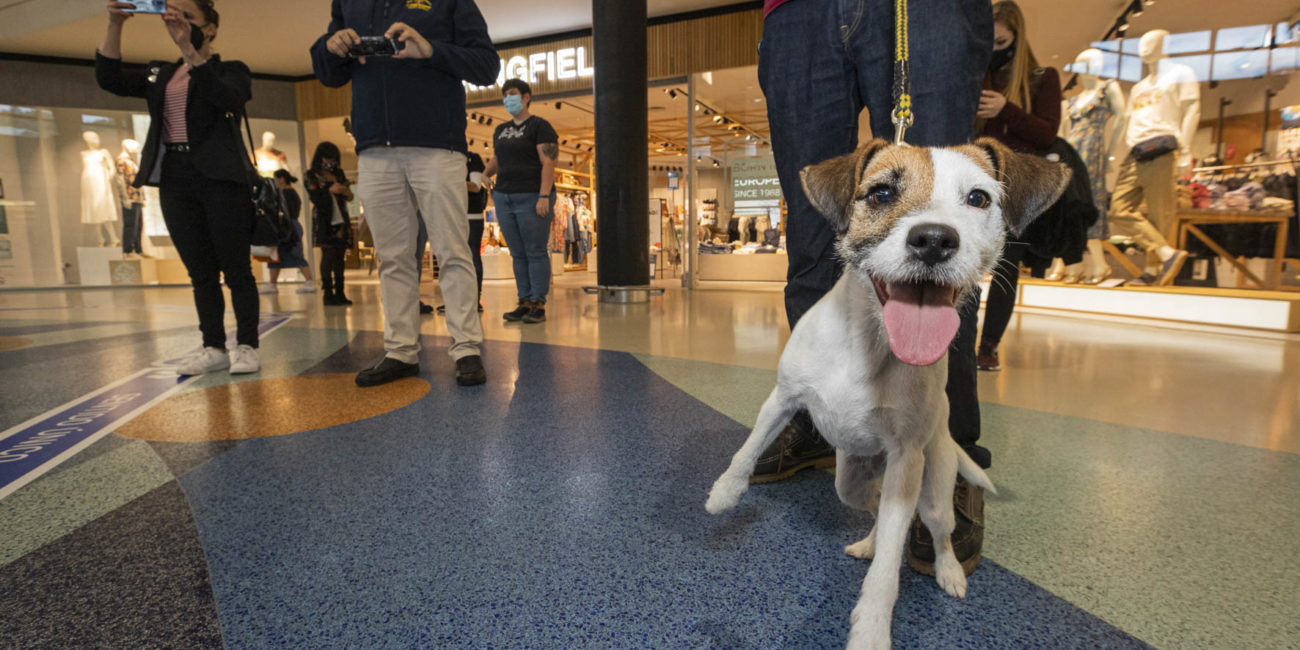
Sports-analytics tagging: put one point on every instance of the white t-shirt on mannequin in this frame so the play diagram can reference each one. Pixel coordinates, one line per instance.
(1157, 103)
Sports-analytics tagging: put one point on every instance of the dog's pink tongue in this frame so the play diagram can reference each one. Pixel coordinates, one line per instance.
(921, 322)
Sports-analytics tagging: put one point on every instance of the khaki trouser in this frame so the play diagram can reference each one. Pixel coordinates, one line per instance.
(1154, 181)
(395, 182)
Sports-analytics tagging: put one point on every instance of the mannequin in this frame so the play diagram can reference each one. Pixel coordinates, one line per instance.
(1086, 119)
(1165, 105)
(269, 159)
(128, 165)
(99, 203)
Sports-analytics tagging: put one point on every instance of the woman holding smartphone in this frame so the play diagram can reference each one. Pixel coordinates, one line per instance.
(195, 157)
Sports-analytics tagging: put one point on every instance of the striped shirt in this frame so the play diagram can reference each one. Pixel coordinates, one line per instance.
(174, 104)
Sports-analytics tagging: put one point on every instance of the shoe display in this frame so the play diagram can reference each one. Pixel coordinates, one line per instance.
(426, 308)
(1169, 270)
(385, 371)
(518, 313)
(967, 537)
(987, 358)
(470, 371)
(536, 314)
(204, 361)
(268, 289)
(309, 287)
(799, 447)
(1099, 278)
(245, 359)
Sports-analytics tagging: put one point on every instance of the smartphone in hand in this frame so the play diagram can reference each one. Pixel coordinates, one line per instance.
(147, 7)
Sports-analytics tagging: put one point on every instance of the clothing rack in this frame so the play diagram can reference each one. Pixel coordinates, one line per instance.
(1270, 163)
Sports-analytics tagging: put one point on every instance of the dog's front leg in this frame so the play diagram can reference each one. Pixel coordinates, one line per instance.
(898, 495)
(726, 491)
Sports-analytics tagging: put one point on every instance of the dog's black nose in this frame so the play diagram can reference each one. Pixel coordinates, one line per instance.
(933, 243)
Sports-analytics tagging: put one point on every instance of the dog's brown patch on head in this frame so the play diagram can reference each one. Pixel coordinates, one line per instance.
(1030, 184)
(908, 174)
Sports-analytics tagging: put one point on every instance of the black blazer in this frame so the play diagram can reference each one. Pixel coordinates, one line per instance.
(218, 92)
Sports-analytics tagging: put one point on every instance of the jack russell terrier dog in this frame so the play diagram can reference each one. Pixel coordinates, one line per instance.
(918, 227)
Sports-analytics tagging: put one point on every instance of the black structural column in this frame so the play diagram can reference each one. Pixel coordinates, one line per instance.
(622, 162)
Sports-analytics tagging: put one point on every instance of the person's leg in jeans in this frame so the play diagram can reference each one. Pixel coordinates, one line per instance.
(820, 62)
(230, 227)
(511, 210)
(390, 211)
(437, 180)
(183, 212)
(537, 234)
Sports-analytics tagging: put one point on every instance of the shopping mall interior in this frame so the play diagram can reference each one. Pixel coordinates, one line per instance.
(1142, 409)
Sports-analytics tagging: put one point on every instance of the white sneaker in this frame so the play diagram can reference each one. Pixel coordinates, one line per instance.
(268, 288)
(204, 361)
(309, 287)
(244, 360)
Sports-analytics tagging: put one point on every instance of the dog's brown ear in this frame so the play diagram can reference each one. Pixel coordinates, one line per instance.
(831, 185)
(1030, 184)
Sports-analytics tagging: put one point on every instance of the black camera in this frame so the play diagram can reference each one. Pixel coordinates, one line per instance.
(375, 46)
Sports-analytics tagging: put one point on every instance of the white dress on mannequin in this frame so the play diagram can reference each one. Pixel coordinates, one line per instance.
(98, 203)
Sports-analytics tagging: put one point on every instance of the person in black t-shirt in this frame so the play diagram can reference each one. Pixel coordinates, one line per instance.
(526, 150)
(478, 198)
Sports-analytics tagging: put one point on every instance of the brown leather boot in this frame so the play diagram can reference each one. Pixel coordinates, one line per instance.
(967, 537)
(799, 447)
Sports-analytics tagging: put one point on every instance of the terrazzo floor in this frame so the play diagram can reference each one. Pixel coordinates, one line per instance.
(561, 504)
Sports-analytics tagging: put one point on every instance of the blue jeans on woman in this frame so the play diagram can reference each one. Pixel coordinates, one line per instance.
(820, 63)
(527, 235)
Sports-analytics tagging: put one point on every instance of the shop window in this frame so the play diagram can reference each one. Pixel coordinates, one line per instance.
(1284, 60)
(1130, 68)
(1240, 65)
(1285, 33)
(1242, 38)
(1200, 64)
(1188, 42)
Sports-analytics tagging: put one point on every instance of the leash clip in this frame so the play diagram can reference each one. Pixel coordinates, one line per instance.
(901, 123)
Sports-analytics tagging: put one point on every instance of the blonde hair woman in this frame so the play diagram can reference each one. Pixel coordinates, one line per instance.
(1021, 107)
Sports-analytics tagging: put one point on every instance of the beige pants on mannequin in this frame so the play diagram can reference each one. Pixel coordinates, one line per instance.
(1154, 181)
(395, 182)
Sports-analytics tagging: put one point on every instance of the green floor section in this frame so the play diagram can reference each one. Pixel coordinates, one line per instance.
(63, 501)
(1180, 541)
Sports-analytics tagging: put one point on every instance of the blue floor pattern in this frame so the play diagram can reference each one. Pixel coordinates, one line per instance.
(559, 506)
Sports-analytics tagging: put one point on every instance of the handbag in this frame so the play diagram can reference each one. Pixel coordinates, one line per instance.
(271, 223)
(1152, 148)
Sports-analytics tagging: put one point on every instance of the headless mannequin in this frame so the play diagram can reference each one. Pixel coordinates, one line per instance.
(269, 159)
(1164, 82)
(99, 200)
(1088, 65)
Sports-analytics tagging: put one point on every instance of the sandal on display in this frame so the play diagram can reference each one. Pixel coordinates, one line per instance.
(1098, 279)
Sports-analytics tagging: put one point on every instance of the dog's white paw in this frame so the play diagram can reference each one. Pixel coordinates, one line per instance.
(950, 576)
(726, 494)
(868, 633)
(864, 549)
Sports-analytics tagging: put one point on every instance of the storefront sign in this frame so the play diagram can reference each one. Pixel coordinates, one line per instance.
(755, 179)
(546, 70)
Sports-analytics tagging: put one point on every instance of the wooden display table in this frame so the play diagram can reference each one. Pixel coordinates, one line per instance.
(1188, 220)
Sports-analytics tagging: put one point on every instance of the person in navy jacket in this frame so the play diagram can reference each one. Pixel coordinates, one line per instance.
(408, 117)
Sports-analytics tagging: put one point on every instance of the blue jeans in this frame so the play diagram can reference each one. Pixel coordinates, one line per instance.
(820, 63)
(527, 236)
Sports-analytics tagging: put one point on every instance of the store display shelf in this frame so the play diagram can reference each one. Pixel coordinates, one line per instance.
(1262, 310)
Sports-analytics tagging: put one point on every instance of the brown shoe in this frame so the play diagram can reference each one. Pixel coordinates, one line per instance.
(799, 447)
(987, 358)
(967, 537)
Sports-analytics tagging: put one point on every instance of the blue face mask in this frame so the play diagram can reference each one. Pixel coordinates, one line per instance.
(514, 104)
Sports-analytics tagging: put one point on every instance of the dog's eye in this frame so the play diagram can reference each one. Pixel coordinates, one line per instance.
(978, 199)
(881, 195)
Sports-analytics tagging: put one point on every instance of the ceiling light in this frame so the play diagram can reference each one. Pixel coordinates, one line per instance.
(717, 119)
(697, 106)
(1150, 2)
(673, 94)
(1135, 9)
(1122, 25)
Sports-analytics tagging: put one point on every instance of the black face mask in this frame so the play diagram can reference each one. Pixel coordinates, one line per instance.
(1002, 57)
(197, 37)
